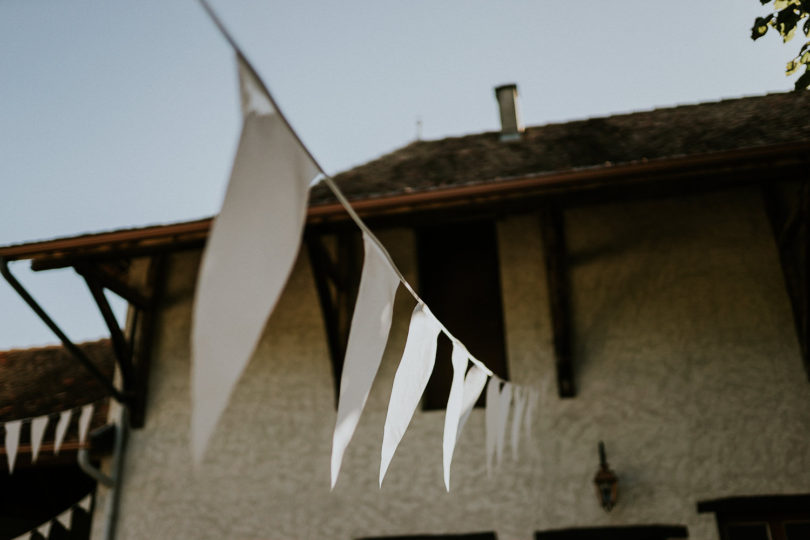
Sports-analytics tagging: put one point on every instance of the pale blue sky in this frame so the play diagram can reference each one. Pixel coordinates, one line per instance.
(117, 114)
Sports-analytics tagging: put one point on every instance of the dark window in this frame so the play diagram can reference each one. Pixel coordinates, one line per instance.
(473, 536)
(799, 530)
(459, 279)
(747, 531)
(778, 517)
(639, 532)
(34, 495)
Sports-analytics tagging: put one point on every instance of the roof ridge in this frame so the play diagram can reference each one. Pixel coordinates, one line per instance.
(43, 348)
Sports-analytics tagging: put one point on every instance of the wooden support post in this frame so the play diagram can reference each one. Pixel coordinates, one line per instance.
(552, 225)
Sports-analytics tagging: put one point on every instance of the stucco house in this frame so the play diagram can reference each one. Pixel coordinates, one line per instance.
(647, 272)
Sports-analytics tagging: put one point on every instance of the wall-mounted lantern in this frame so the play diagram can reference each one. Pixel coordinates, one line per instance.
(606, 481)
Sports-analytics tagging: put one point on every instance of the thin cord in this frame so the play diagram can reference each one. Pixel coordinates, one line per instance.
(329, 181)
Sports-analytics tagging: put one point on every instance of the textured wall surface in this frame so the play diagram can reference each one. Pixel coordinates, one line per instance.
(687, 366)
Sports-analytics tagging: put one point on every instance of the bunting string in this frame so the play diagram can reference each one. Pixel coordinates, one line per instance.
(65, 520)
(37, 427)
(265, 191)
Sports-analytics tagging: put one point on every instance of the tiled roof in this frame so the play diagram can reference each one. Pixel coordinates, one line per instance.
(423, 168)
(685, 130)
(45, 380)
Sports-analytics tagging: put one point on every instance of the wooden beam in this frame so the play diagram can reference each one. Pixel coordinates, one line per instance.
(555, 251)
(342, 277)
(141, 332)
(791, 230)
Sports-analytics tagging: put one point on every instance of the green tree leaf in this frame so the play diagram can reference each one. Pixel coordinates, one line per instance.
(786, 16)
(760, 26)
(803, 82)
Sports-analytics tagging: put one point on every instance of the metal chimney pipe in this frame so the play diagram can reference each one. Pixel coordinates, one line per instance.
(511, 126)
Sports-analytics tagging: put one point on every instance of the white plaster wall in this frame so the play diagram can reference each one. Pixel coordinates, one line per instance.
(687, 367)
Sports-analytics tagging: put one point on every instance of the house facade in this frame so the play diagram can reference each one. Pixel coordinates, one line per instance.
(646, 273)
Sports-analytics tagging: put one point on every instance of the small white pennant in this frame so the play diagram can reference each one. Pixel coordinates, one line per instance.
(84, 421)
(531, 405)
(38, 426)
(473, 386)
(64, 518)
(491, 420)
(45, 529)
(504, 402)
(455, 403)
(61, 429)
(12, 442)
(85, 503)
(519, 397)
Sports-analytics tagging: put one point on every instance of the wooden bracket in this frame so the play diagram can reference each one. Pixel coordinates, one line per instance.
(111, 277)
(132, 346)
(337, 279)
(555, 251)
(790, 220)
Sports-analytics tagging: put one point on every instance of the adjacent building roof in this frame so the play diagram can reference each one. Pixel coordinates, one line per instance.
(46, 380)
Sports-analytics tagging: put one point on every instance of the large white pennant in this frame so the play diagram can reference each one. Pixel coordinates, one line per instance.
(455, 404)
(371, 324)
(251, 250)
(12, 442)
(410, 380)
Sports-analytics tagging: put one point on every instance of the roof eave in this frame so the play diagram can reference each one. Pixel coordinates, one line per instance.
(494, 191)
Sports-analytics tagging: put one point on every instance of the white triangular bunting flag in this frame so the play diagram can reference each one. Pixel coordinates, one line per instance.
(45, 529)
(491, 420)
(505, 399)
(84, 421)
(12, 442)
(38, 426)
(61, 429)
(24, 536)
(455, 403)
(473, 385)
(371, 324)
(519, 397)
(531, 405)
(410, 380)
(86, 502)
(250, 252)
(64, 518)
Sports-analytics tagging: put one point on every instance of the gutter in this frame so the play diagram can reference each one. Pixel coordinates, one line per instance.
(572, 181)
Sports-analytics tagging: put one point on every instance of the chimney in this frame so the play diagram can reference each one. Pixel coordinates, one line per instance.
(511, 126)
